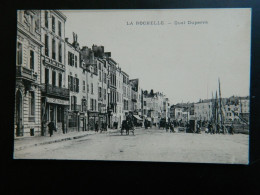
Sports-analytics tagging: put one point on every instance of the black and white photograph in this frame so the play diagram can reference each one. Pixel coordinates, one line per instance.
(153, 85)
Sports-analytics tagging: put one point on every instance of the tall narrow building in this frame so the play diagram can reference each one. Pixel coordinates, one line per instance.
(55, 94)
(28, 64)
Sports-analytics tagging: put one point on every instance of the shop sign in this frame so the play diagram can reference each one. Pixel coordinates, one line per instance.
(57, 101)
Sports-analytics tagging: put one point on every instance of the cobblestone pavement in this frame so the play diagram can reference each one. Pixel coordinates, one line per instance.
(146, 145)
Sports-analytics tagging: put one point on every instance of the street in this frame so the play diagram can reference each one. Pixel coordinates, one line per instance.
(147, 145)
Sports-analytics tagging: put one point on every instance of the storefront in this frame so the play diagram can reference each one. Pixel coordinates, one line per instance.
(93, 117)
(55, 110)
(82, 122)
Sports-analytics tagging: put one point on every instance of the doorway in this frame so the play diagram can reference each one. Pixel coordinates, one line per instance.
(19, 117)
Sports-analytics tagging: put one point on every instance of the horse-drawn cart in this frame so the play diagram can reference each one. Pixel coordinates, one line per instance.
(127, 126)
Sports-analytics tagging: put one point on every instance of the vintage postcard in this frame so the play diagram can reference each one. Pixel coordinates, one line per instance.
(168, 85)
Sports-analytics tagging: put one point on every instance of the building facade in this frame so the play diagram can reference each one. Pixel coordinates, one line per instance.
(203, 110)
(28, 72)
(55, 94)
(76, 83)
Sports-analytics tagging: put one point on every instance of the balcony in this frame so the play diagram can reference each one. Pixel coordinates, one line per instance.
(56, 91)
(25, 73)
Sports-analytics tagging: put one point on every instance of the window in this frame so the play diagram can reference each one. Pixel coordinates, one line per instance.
(73, 102)
(53, 24)
(91, 104)
(53, 49)
(53, 78)
(105, 76)
(46, 45)
(59, 32)
(71, 83)
(92, 88)
(95, 103)
(117, 97)
(31, 103)
(60, 53)
(100, 76)
(31, 60)
(105, 94)
(19, 54)
(99, 107)
(46, 76)
(84, 85)
(69, 58)
(72, 59)
(99, 66)
(87, 88)
(76, 61)
(99, 92)
(77, 85)
(46, 20)
(60, 80)
(74, 83)
(32, 23)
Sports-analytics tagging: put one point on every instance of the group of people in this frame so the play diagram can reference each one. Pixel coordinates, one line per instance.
(219, 128)
(103, 126)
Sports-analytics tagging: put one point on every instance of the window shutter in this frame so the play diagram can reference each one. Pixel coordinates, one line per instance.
(77, 85)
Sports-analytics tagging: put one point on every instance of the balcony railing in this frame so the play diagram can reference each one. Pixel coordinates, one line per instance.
(25, 73)
(57, 91)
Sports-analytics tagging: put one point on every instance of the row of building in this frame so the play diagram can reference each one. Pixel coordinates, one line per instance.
(233, 108)
(75, 87)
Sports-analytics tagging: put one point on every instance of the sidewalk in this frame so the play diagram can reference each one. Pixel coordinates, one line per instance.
(21, 143)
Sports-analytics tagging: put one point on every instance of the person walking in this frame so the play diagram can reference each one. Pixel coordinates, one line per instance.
(96, 127)
(52, 128)
(232, 129)
(171, 128)
(166, 126)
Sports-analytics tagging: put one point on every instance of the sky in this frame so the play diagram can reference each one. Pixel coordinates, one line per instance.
(183, 61)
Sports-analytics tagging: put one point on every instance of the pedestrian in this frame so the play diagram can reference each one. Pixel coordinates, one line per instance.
(52, 128)
(166, 126)
(96, 127)
(232, 129)
(105, 126)
(198, 128)
(171, 128)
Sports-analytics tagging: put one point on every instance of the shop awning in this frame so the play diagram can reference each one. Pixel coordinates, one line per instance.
(137, 117)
